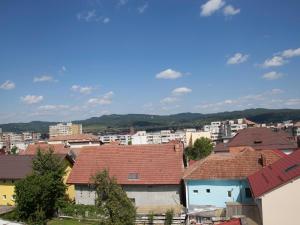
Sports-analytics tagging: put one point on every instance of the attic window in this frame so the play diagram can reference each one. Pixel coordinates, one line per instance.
(133, 176)
(292, 167)
(257, 141)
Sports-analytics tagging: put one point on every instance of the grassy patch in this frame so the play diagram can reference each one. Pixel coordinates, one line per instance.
(70, 222)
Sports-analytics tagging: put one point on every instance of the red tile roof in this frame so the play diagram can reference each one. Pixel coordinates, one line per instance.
(232, 222)
(75, 137)
(263, 138)
(153, 164)
(275, 175)
(57, 148)
(230, 165)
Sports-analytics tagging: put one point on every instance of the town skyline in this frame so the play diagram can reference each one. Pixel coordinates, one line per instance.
(63, 61)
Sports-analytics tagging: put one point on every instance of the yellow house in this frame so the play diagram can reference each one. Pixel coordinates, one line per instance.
(17, 167)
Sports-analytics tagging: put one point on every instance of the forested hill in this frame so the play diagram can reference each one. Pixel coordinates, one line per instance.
(122, 123)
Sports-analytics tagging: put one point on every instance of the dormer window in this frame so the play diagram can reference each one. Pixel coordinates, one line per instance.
(133, 176)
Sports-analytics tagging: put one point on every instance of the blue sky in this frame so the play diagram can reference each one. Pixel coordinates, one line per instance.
(66, 60)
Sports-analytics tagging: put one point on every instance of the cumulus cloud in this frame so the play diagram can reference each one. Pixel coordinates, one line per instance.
(43, 78)
(289, 53)
(211, 7)
(106, 99)
(7, 85)
(142, 8)
(273, 75)
(274, 61)
(229, 10)
(237, 58)
(281, 58)
(82, 90)
(181, 91)
(31, 99)
(168, 100)
(169, 74)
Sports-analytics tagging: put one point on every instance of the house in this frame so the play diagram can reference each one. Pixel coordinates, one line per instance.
(17, 167)
(221, 178)
(76, 141)
(276, 189)
(57, 148)
(149, 174)
(259, 138)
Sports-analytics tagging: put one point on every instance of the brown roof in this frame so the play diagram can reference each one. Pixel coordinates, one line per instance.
(57, 148)
(221, 147)
(153, 164)
(15, 166)
(231, 165)
(263, 138)
(75, 137)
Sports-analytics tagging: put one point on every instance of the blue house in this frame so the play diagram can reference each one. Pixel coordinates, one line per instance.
(222, 178)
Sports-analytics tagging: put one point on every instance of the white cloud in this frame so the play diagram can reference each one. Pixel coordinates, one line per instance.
(168, 100)
(280, 58)
(106, 99)
(106, 20)
(229, 10)
(181, 91)
(63, 69)
(289, 53)
(169, 74)
(7, 85)
(237, 58)
(275, 61)
(122, 2)
(276, 91)
(293, 102)
(264, 99)
(142, 8)
(211, 6)
(43, 78)
(52, 107)
(82, 90)
(31, 99)
(272, 75)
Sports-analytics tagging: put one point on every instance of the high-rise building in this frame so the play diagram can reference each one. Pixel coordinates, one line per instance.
(65, 129)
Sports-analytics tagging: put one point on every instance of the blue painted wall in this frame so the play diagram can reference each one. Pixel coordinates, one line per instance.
(197, 192)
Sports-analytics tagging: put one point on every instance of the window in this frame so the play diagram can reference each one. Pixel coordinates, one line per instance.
(133, 176)
(4, 197)
(195, 191)
(248, 193)
(207, 190)
(13, 197)
(229, 193)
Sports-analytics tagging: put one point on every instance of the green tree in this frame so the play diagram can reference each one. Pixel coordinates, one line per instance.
(112, 202)
(39, 195)
(202, 148)
(14, 150)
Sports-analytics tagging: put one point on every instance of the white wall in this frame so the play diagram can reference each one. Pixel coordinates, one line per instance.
(282, 205)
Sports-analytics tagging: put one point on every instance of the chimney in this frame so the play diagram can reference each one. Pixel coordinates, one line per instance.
(178, 147)
(263, 160)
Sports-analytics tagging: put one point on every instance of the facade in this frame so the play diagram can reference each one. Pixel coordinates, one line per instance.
(16, 167)
(276, 190)
(219, 179)
(62, 129)
(123, 139)
(150, 174)
(76, 141)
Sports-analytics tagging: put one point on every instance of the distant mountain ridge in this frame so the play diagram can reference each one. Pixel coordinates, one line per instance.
(122, 123)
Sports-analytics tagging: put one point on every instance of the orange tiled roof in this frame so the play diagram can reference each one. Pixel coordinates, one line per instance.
(231, 165)
(153, 164)
(76, 137)
(57, 148)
